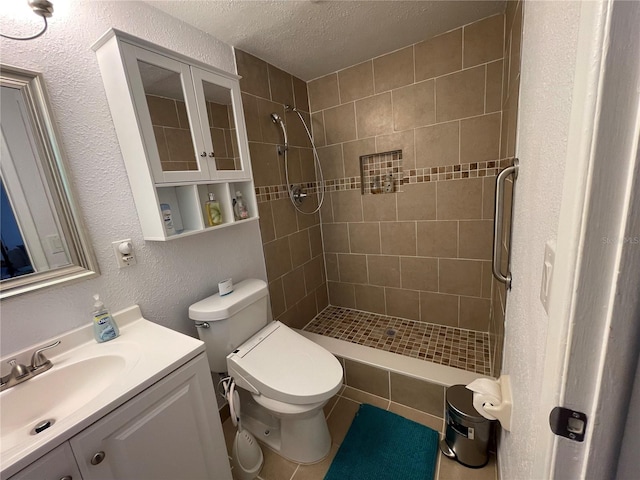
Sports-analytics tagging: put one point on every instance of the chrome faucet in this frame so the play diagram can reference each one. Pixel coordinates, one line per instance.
(21, 373)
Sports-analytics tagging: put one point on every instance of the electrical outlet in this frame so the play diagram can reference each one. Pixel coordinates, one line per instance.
(123, 250)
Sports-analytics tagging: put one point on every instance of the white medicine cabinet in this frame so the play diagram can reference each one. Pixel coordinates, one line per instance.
(182, 133)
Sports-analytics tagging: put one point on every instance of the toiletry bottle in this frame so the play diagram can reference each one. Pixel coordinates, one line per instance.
(104, 326)
(239, 207)
(212, 209)
(168, 220)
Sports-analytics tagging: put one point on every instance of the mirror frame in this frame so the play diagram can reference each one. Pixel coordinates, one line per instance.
(83, 262)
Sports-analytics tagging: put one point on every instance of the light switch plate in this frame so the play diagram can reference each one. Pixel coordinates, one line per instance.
(547, 273)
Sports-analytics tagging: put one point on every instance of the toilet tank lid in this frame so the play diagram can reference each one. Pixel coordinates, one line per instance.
(216, 307)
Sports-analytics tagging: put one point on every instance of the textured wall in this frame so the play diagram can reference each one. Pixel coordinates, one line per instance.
(169, 276)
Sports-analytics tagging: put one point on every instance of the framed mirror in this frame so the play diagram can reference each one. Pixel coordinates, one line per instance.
(43, 242)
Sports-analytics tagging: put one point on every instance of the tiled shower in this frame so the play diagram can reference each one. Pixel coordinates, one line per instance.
(418, 257)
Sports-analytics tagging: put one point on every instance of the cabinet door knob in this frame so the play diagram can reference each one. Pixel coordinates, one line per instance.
(97, 458)
(211, 154)
(67, 477)
(203, 154)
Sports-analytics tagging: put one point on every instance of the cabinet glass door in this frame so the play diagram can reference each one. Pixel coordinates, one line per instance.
(165, 100)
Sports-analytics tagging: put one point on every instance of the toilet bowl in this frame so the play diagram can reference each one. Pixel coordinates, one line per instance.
(284, 379)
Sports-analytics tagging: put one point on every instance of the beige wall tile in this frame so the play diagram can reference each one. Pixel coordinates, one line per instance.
(277, 257)
(342, 294)
(163, 111)
(297, 135)
(414, 105)
(276, 297)
(430, 421)
(183, 119)
(439, 308)
(179, 145)
(271, 133)
(384, 270)
(219, 143)
(438, 239)
(460, 94)
(373, 115)
(487, 277)
(417, 394)
(370, 299)
(322, 297)
(331, 262)
(254, 73)
(460, 277)
(323, 92)
(346, 206)
(281, 85)
(398, 238)
(300, 248)
(353, 268)
(284, 217)
(419, 273)
(331, 161)
(483, 41)
(219, 115)
(488, 197)
(315, 239)
(377, 208)
(317, 126)
(402, 303)
(335, 237)
(474, 313)
(364, 397)
(251, 117)
(161, 143)
(352, 152)
(480, 138)
(364, 237)
(439, 55)
(493, 89)
(460, 199)
(307, 165)
(399, 141)
(314, 273)
(326, 210)
(417, 201)
(340, 124)
(438, 145)
(293, 283)
(356, 82)
(300, 94)
(367, 378)
(393, 70)
(476, 239)
(516, 42)
(307, 310)
(267, 229)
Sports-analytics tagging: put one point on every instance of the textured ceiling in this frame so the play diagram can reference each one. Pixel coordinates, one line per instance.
(312, 38)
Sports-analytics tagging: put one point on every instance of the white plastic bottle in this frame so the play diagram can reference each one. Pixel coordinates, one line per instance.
(240, 208)
(104, 326)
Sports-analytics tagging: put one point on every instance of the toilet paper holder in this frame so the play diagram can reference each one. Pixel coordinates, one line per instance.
(492, 399)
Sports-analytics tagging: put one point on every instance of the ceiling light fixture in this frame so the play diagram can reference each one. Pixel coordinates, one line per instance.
(44, 8)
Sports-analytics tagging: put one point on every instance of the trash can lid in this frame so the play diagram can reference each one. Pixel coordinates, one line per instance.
(460, 399)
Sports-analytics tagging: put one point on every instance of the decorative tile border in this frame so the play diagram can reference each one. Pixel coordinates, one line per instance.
(377, 168)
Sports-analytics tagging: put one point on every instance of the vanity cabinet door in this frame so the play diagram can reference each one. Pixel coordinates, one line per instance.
(170, 431)
(58, 464)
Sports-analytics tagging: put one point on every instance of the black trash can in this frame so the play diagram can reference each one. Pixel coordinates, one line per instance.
(468, 433)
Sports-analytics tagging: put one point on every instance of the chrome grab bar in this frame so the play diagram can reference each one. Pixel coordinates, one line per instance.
(497, 224)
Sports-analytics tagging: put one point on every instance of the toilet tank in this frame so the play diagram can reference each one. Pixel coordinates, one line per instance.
(232, 319)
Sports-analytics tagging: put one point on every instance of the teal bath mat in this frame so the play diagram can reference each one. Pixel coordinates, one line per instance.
(381, 445)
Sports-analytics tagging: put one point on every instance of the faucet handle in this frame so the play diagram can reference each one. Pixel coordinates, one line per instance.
(17, 369)
(38, 360)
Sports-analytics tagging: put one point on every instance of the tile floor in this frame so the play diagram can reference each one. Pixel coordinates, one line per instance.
(340, 411)
(455, 347)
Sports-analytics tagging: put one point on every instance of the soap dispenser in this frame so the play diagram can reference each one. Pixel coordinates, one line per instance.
(104, 326)
(212, 209)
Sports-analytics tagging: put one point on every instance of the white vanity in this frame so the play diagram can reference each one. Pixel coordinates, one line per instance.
(141, 406)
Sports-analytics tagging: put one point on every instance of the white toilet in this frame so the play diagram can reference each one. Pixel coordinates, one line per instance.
(285, 378)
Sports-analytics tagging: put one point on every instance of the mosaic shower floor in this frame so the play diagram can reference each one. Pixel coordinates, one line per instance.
(455, 347)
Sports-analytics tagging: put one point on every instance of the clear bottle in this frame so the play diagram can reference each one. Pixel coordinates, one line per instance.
(168, 220)
(240, 208)
(104, 326)
(212, 209)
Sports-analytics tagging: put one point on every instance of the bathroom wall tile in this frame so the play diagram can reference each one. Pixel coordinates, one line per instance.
(307, 165)
(356, 82)
(487, 277)
(384, 270)
(317, 129)
(430, 421)
(314, 273)
(271, 133)
(293, 283)
(460, 95)
(516, 43)
(418, 394)
(476, 239)
(307, 310)
(315, 239)
(297, 135)
(219, 144)
(474, 313)
(277, 257)
(326, 210)
(251, 117)
(219, 115)
(493, 89)
(460, 277)
(163, 111)
(439, 55)
(480, 138)
(419, 273)
(347, 206)
(483, 41)
(460, 199)
(364, 397)
(342, 294)
(183, 119)
(335, 237)
(300, 248)
(373, 116)
(439, 308)
(438, 239)
(331, 263)
(161, 143)
(488, 197)
(293, 165)
(353, 268)
(377, 208)
(417, 201)
(414, 105)
(322, 297)
(284, 217)
(267, 229)
(438, 145)
(370, 299)
(399, 141)
(398, 238)
(281, 85)
(276, 296)
(367, 378)
(331, 161)
(364, 237)
(402, 303)
(307, 220)
(393, 70)
(300, 94)
(352, 152)
(340, 124)
(323, 92)
(254, 73)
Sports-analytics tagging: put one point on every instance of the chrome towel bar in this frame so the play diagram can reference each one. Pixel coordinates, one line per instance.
(498, 223)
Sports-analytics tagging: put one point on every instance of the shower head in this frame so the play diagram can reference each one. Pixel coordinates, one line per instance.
(275, 118)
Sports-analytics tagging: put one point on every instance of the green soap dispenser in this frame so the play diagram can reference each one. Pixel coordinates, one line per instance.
(104, 326)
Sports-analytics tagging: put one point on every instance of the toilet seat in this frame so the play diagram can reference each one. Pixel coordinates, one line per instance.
(282, 365)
